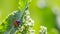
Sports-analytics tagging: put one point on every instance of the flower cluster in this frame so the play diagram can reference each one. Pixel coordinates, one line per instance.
(43, 30)
(29, 21)
(27, 24)
(31, 31)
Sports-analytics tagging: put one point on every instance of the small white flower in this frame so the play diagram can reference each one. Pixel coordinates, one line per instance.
(27, 17)
(27, 12)
(32, 21)
(8, 15)
(43, 29)
(21, 29)
(29, 29)
(30, 24)
(13, 12)
(32, 32)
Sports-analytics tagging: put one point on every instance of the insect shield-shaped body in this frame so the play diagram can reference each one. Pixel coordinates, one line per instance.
(16, 23)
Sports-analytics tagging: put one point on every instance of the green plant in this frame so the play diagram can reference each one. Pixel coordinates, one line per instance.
(22, 14)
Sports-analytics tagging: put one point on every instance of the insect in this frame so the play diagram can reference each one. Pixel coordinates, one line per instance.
(16, 23)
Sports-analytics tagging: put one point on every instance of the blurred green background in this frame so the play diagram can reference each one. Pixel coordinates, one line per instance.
(41, 16)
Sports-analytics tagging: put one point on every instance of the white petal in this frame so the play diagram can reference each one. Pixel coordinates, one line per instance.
(32, 21)
(15, 11)
(43, 28)
(30, 24)
(32, 32)
(30, 29)
(27, 17)
(27, 12)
